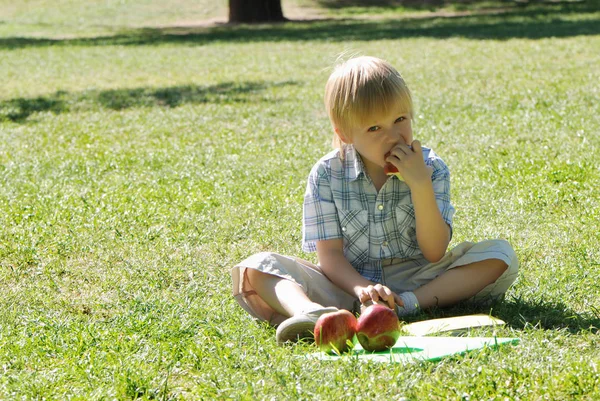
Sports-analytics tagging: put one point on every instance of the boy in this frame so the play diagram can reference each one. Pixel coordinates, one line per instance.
(378, 237)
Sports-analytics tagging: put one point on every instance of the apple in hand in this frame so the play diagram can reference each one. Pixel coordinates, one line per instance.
(390, 169)
(335, 330)
(378, 328)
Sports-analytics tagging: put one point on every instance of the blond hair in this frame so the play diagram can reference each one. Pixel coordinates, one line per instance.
(362, 89)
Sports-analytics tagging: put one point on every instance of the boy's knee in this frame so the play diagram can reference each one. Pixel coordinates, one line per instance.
(256, 277)
(510, 272)
(501, 267)
(251, 274)
(504, 248)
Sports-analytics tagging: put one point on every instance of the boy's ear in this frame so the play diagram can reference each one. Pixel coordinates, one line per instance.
(344, 138)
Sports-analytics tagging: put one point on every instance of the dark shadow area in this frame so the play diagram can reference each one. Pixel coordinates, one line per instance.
(517, 22)
(420, 5)
(393, 4)
(336, 4)
(546, 316)
(19, 109)
(519, 314)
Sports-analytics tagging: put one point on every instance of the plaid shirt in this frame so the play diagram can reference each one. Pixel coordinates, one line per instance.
(342, 202)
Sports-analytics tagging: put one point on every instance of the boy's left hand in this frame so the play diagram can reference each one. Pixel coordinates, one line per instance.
(410, 163)
(379, 294)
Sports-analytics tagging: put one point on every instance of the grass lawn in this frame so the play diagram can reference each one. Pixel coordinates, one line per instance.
(143, 153)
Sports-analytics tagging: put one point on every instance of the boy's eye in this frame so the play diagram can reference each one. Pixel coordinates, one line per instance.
(400, 119)
(373, 128)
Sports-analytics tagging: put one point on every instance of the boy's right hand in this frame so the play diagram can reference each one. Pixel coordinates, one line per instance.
(378, 294)
(408, 160)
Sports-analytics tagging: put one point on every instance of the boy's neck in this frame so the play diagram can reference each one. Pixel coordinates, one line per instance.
(375, 173)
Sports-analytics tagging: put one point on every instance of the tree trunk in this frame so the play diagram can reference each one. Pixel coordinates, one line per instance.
(252, 11)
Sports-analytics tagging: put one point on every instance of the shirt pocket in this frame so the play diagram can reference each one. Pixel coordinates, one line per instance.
(405, 215)
(405, 230)
(354, 224)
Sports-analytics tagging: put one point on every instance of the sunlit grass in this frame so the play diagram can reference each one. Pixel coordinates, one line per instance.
(135, 171)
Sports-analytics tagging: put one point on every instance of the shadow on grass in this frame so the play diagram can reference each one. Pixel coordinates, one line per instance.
(454, 4)
(520, 314)
(546, 316)
(19, 109)
(561, 20)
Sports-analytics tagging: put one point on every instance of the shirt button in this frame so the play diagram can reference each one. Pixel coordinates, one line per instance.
(380, 207)
(344, 229)
(385, 243)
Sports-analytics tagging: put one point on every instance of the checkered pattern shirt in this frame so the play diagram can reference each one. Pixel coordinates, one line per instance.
(342, 202)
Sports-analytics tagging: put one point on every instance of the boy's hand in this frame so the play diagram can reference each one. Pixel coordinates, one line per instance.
(378, 294)
(410, 163)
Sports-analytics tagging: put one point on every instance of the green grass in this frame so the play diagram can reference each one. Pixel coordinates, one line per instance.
(140, 161)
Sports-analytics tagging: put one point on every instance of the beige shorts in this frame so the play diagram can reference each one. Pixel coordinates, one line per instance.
(398, 274)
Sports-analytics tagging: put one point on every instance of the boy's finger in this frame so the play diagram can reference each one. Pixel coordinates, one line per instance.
(386, 295)
(416, 145)
(384, 292)
(398, 300)
(374, 295)
(363, 296)
(391, 302)
(402, 149)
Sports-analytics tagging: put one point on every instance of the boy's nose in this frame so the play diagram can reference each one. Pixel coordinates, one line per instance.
(396, 137)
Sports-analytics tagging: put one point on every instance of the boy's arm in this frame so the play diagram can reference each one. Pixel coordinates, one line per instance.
(337, 269)
(433, 233)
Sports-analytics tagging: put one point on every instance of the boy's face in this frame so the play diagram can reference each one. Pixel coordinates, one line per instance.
(377, 137)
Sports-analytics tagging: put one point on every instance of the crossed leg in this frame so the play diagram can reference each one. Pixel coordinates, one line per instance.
(284, 296)
(460, 283)
(455, 285)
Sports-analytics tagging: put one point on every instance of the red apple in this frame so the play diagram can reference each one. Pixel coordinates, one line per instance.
(390, 169)
(334, 330)
(378, 328)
